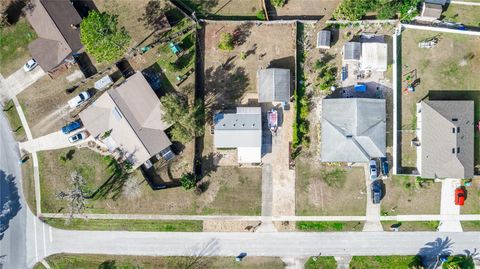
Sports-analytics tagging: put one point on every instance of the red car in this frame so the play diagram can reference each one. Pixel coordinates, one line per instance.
(459, 196)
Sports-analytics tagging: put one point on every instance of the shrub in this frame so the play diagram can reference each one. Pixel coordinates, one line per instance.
(278, 3)
(260, 15)
(226, 42)
(188, 181)
(243, 55)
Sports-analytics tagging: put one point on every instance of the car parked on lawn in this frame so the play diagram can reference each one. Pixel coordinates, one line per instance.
(459, 196)
(373, 170)
(78, 137)
(72, 126)
(30, 65)
(79, 99)
(377, 193)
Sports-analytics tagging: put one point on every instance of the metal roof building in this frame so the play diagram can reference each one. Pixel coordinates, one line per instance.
(431, 11)
(353, 129)
(446, 133)
(374, 56)
(352, 51)
(324, 39)
(241, 130)
(273, 85)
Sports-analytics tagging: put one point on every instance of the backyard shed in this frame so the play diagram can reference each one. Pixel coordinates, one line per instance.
(353, 129)
(352, 51)
(324, 39)
(431, 11)
(374, 56)
(273, 85)
(241, 130)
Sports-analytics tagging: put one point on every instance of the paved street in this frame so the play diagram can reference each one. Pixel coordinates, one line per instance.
(13, 245)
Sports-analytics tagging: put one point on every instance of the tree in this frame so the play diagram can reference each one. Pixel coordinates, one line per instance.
(187, 121)
(388, 9)
(226, 42)
(278, 3)
(76, 195)
(188, 181)
(102, 38)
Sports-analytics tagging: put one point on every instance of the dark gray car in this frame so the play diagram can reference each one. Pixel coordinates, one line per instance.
(376, 191)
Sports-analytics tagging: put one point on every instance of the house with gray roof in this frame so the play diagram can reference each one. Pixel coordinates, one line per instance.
(57, 24)
(273, 85)
(353, 129)
(241, 130)
(128, 118)
(445, 130)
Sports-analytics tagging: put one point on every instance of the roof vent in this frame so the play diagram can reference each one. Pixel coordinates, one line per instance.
(349, 136)
(234, 125)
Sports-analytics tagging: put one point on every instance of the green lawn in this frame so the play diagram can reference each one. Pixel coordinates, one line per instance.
(126, 225)
(467, 15)
(405, 196)
(408, 226)
(472, 203)
(383, 262)
(28, 184)
(64, 261)
(471, 226)
(14, 120)
(321, 263)
(13, 46)
(329, 226)
(224, 9)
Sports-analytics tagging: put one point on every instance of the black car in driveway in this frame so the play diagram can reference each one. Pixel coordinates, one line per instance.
(376, 191)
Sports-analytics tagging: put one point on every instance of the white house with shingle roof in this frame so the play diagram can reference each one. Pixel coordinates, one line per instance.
(129, 118)
(241, 130)
(353, 129)
(445, 130)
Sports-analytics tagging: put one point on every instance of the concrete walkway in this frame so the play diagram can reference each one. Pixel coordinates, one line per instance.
(372, 223)
(56, 140)
(343, 262)
(19, 81)
(448, 207)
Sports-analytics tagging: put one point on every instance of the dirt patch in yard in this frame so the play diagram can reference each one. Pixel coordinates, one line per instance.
(465, 14)
(227, 76)
(404, 196)
(314, 196)
(227, 9)
(230, 226)
(306, 9)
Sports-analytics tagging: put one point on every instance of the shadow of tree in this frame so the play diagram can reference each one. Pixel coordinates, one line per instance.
(241, 33)
(9, 201)
(14, 10)
(112, 187)
(110, 264)
(197, 258)
(430, 253)
(225, 85)
(154, 17)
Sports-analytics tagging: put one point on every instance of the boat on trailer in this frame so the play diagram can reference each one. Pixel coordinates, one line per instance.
(272, 116)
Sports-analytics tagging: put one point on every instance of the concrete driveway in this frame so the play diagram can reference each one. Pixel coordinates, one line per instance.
(56, 140)
(448, 207)
(19, 81)
(372, 223)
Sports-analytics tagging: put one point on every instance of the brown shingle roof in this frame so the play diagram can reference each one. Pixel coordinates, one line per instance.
(57, 40)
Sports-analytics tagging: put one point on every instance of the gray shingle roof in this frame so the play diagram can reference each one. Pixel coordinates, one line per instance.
(241, 129)
(440, 139)
(353, 129)
(273, 85)
(352, 51)
(323, 39)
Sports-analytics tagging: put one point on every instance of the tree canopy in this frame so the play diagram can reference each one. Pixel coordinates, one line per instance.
(102, 38)
(187, 121)
(386, 9)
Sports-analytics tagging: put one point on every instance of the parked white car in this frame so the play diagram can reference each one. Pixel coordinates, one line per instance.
(78, 136)
(79, 99)
(30, 65)
(373, 170)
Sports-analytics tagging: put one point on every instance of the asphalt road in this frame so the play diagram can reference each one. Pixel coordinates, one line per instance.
(13, 221)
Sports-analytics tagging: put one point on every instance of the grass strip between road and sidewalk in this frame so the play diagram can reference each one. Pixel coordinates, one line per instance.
(324, 262)
(380, 262)
(329, 226)
(471, 226)
(411, 226)
(126, 225)
(14, 120)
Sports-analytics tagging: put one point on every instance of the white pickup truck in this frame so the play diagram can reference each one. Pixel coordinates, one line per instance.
(79, 99)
